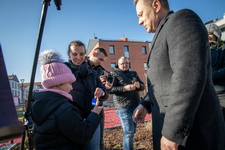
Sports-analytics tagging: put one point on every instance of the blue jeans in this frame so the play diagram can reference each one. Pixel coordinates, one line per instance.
(128, 125)
(94, 143)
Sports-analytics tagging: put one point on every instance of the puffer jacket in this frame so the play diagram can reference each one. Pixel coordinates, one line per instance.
(128, 99)
(58, 125)
(84, 87)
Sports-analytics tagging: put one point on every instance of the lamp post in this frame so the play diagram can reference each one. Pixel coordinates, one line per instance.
(22, 80)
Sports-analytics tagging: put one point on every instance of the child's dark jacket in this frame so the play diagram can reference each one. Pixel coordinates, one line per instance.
(58, 124)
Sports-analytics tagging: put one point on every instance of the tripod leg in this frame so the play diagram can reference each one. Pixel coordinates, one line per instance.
(22, 141)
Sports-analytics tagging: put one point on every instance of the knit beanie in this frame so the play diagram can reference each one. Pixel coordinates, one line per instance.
(214, 29)
(53, 71)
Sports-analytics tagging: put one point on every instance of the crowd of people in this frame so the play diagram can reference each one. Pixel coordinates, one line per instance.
(185, 83)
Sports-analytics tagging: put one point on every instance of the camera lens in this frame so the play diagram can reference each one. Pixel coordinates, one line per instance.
(109, 78)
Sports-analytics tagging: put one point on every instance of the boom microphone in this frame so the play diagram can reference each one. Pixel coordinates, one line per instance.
(58, 3)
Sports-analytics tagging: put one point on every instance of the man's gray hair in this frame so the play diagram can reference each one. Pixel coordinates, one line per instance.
(164, 3)
(122, 58)
(146, 1)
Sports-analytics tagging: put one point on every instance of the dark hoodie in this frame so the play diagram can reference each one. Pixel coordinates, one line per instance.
(58, 124)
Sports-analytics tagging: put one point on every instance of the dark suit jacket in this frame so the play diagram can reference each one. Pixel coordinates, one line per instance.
(181, 97)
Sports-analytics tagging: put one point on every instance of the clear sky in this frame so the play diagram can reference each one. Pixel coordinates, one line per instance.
(77, 20)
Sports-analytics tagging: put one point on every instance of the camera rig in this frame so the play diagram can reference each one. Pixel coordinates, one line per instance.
(27, 121)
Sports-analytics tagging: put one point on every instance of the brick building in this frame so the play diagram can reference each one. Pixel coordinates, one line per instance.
(136, 51)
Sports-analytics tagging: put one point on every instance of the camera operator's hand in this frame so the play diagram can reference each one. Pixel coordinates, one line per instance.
(103, 79)
(108, 85)
(99, 92)
(97, 109)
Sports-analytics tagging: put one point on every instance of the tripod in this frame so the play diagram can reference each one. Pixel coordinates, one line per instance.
(27, 121)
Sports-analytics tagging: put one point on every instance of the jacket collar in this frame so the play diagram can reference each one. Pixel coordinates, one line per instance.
(119, 70)
(161, 24)
(83, 70)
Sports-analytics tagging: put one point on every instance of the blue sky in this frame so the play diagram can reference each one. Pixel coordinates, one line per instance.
(77, 20)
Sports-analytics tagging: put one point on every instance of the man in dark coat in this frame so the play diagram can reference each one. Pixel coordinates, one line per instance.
(185, 110)
(87, 85)
(95, 61)
(217, 51)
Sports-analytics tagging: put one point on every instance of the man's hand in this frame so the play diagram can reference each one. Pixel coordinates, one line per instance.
(129, 87)
(103, 79)
(167, 144)
(108, 85)
(97, 109)
(139, 114)
(136, 84)
(99, 92)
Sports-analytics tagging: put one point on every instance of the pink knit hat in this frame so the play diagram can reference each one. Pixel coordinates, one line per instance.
(54, 72)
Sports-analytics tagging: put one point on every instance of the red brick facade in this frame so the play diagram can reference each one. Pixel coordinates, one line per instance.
(137, 58)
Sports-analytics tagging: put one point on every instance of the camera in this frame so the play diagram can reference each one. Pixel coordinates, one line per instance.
(109, 78)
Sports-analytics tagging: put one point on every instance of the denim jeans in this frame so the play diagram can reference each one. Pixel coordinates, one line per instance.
(94, 143)
(128, 125)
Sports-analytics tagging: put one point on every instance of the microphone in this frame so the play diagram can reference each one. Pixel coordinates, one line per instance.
(58, 3)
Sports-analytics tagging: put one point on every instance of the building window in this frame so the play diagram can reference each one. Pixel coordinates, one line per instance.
(126, 52)
(12, 84)
(111, 49)
(145, 66)
(113, 65)
(13, 93)
(144, 51)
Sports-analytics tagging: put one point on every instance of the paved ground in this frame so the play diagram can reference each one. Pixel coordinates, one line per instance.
(111, 121)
